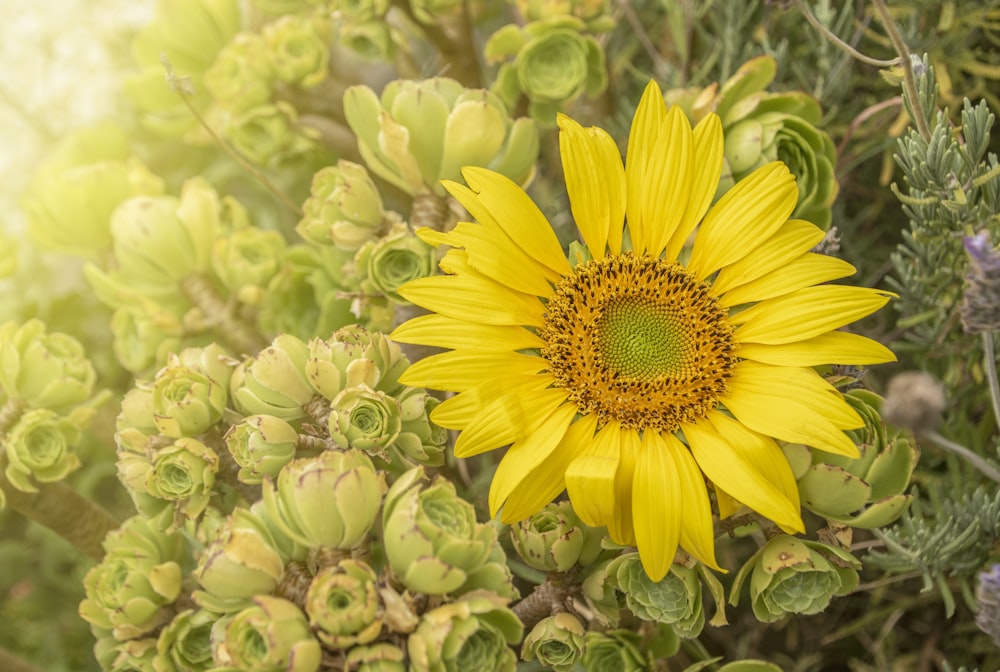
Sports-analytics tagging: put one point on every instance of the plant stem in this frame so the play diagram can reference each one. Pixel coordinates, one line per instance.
(80, 521)
(990, 364)
(546, 599)
(235, 333)
(981, 465)
(909, 79)
(839, 43)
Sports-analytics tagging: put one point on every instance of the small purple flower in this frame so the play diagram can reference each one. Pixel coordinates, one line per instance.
(988, 598)
(981, 304)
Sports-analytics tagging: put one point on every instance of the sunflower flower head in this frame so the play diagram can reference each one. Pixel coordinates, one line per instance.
(659, 374)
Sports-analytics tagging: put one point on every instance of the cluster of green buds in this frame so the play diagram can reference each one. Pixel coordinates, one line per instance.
(186, 270)
(47, 398)
(187, 34)
(551, 61)
(78, 186)
(421, 132)
(864, 492)
(761, 127)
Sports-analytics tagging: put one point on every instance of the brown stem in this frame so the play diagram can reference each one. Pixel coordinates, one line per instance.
(452, 36)
(10, 412)
(80, 521)
(541, 603)
(11, 663)
(909, 79)
(236, 334)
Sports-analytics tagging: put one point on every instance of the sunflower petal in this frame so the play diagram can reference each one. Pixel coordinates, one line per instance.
(518, 216)
(808, 270)
(705, 170)
(526, 454)
(806, 313)
(447, 332)
(549, 478)
(835, 347)
(739, 469)
(590, 478)
(459, 411)
(697, 528)
(646, 127)
(667, 181)
(793, 239)
(477, 299)
(595, 182)
(657, 505)
(621, 527)
(743, 218)
(508, 418)
(460, 370)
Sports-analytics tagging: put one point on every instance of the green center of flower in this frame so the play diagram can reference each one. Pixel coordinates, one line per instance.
(638, 340)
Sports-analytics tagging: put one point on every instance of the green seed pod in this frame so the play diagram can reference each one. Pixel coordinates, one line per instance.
(557, 642)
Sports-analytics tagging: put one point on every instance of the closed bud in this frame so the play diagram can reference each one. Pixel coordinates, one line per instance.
(352, 357)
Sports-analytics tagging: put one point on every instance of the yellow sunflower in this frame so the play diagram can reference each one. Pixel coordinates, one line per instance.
(642, 372)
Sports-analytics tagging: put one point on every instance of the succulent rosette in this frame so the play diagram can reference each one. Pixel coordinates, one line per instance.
(550, 540)
(191, 392)
(246, 260)
(343, 604)
(393, 260)
(183, 473)
(300, 49)
(354, 356)
(474, 633)
(44, 370)
(273, 382)
(40, 446)
(615, 651)
(184, 644)
(272, 634)
(557, 642)
(144, 337)
(795, 576)
(242, 560)
(363, 418)
(674, 600)
(420, 441)
(329, 501)
(130, 592)
(432, 540)
(420, 132)
(261, 445)
(552, 62)
(344, 208)
(243, 72)
(382, 657)
(760, 127)
(269, 134)
(864, 492)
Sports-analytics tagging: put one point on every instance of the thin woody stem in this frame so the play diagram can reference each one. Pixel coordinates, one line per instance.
(909, 79)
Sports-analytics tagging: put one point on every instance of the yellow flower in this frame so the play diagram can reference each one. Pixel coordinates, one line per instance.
(646, 367)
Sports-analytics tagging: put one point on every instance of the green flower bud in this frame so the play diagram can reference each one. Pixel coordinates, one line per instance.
(344, 208)
(246, 260)
(343, 605)
(304, 298)
(328, 501)
(421, 132)
(300, 49)
(863, 492)
(187, 400)
(420, 441)
(261, 445)
(362, 418)
(550, 61)
(40, 446)
(381, 657)
(472, 634)
(394, 260)
(268, 134)
(373, 40)
(241, 76)
(184, 473)
(130, 591)
(795, 576)
(615, 651)
(142, 340)
(274, 382)
(270, 635)
(550, 540)
(557, 642)
(675, 600)
(243, 560)
(184, 645)
(352, 357)
(432, 540)
(69, 210)
(44, 370)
